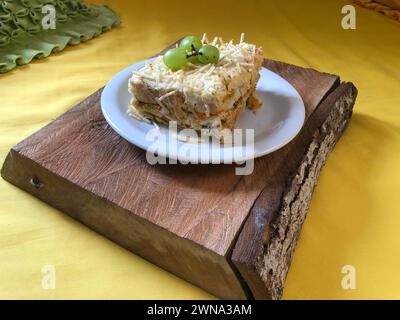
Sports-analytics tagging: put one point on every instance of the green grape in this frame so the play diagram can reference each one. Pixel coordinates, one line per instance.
(175, 58)
(208, 54)
(194, 59)
(191, 42)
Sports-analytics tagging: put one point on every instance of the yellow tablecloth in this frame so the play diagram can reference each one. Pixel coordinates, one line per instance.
(355, 213)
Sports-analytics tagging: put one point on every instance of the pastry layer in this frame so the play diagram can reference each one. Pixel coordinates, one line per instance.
(223, 120)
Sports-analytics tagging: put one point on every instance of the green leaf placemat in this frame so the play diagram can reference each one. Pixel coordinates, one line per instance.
(22, 36)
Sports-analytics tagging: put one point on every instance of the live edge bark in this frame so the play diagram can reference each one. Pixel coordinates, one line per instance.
(264, 249)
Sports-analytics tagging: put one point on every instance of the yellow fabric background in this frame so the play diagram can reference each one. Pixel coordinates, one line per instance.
(355, 214)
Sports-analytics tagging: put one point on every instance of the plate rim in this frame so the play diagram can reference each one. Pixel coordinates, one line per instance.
(187, 159)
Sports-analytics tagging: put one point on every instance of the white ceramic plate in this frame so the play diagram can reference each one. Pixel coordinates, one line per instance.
(275, 124)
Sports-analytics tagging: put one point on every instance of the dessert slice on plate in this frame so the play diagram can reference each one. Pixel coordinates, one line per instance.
(198, 94)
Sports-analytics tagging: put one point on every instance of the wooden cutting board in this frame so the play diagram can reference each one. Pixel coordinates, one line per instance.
(233, 236)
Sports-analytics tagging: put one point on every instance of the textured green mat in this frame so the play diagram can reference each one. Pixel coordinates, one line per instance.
(23, 38)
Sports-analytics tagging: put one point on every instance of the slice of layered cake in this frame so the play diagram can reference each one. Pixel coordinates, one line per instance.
(199, 96)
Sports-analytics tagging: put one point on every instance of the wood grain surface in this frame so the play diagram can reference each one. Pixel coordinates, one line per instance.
(187, 219)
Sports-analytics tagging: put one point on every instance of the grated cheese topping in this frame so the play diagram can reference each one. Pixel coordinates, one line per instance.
(212, 87)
